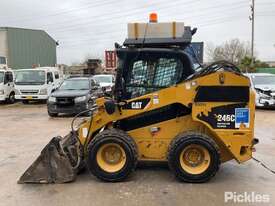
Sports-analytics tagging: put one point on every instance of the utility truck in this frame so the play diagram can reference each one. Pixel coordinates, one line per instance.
(36, 84)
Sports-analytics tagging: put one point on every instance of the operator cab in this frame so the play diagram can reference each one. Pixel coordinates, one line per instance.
(152, 58)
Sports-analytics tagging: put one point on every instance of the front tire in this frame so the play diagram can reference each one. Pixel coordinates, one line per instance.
(112, 155)
(25, 101)
(52, 114)
(11, 98)
(193, 157)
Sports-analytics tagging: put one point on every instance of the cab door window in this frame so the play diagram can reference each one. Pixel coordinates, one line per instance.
(149, 75)
(49, 77)
(8, 77)
(56, 75)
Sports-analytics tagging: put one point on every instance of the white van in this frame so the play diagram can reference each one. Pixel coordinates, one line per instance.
(37, 83)
(7, 91)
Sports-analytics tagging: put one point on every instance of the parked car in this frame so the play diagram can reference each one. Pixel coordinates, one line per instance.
(7, 91)
(106, 81)
(73, 96)
(36, 83)
(264, 85)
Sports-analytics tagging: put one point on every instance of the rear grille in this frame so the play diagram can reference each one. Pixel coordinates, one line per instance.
(65, 101)
(29, 91)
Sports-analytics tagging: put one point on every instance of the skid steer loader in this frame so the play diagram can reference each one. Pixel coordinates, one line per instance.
(162, 110)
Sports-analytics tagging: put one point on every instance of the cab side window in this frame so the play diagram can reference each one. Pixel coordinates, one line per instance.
(49, 77)
(8, 77)
(3, 60)
(149, 75)
(56, 75)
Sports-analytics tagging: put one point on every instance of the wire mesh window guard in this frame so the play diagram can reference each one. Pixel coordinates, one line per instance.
(147, 76)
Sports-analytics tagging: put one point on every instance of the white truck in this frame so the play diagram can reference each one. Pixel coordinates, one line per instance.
(7, 91)
(36, 84)
(106, 82)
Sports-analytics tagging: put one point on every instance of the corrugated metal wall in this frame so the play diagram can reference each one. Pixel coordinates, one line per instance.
(28, 47)
(3, 43)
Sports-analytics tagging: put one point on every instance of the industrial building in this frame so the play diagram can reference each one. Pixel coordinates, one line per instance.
(24, 48)
(90, 67)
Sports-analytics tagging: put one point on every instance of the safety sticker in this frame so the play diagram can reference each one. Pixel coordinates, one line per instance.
(241, 117)
(155, 99)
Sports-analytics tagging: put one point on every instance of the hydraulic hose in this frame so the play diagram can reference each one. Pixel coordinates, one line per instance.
(77, 137)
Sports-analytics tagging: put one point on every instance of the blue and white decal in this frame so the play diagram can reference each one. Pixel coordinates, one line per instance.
(242, 116)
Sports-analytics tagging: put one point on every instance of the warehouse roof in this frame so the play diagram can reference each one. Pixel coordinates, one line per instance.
(36, 30)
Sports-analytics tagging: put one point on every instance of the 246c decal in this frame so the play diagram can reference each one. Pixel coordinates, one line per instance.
(225, 120)
(227, 116)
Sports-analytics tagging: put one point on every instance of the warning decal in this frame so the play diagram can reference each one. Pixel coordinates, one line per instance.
(241, 117)
(227, 116)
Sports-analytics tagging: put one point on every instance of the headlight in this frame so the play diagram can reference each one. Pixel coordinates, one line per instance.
(80, 99)
(1, 92)
(107, 88)
(52, 99)
(43, 92)
(263, 96)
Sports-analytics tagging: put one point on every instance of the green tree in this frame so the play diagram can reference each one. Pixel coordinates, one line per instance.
(245, 64)
(233, 51)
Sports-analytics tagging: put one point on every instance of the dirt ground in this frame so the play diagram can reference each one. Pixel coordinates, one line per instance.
(26, 129)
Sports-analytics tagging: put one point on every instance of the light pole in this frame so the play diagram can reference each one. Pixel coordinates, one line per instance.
(252, 19)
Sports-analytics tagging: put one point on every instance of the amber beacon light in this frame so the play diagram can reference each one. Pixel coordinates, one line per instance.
(153, 18)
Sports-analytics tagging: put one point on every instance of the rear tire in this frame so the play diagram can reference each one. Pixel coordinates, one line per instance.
(193, 157)
(112, 155)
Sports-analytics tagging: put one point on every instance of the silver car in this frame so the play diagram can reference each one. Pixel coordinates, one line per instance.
(264, 85)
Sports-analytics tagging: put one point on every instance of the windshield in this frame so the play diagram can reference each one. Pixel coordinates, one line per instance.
(1, 77)
(75, 84)
(29, 77)
(263, 80)
(103, 79)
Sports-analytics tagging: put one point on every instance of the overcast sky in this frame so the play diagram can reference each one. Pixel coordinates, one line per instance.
(88, 27)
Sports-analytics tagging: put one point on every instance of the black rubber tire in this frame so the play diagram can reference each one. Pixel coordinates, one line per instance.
(185, 139)
(125, 141)
(11, 98)
(44, 101)
(52, 114)
(25, 101)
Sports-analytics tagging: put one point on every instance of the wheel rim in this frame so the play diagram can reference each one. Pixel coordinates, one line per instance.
(111, 157)
(195, 159)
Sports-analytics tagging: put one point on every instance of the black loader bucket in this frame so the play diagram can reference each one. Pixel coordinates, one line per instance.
(54, 165)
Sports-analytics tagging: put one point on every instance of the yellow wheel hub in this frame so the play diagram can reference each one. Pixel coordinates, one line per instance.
(195, 159)
(111, 157)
